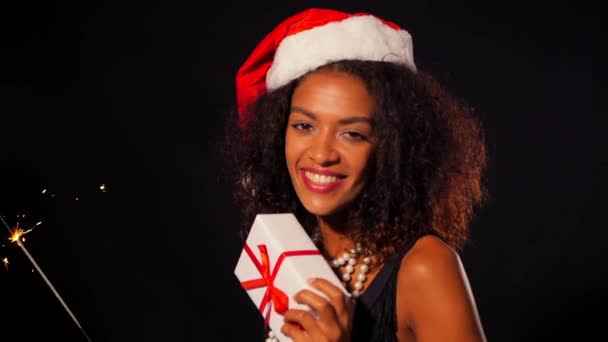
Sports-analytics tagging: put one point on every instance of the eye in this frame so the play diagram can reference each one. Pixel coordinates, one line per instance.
(302, 126)
(355, 136)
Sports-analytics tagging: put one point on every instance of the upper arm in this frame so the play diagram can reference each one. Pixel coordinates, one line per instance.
(434, 298)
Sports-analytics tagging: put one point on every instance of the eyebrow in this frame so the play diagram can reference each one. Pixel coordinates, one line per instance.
(345, 121)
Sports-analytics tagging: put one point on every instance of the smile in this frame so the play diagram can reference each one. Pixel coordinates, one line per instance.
(321, 183)
(320, 179)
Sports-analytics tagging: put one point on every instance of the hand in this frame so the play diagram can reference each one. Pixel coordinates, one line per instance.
(335, 316)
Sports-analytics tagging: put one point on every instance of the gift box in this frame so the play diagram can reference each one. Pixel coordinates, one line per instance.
(277, 260)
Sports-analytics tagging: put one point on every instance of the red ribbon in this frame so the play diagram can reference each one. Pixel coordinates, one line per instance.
(273, 295)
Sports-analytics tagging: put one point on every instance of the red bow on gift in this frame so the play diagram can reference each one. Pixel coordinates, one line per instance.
(273, 294)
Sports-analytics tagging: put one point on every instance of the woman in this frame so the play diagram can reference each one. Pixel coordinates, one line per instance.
(380, 164)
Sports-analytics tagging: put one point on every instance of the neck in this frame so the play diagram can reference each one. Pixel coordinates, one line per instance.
(333, 231)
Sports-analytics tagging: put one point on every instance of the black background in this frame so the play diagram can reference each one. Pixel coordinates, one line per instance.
(134, 95)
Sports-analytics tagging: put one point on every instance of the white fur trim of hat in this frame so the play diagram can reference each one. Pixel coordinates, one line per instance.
(358, 37)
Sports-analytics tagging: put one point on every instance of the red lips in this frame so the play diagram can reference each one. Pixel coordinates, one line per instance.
(321, 188)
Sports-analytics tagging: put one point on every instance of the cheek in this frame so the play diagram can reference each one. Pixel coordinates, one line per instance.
(288, 150)
(293, 148)
(362, 160)
(291, 154)
(365, 168)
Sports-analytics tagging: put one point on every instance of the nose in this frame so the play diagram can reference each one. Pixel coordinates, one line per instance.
(323, 150)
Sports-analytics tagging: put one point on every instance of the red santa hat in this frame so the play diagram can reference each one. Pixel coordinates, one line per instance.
(313, 38)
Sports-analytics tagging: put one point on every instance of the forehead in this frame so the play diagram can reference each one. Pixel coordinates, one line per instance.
(330, 92)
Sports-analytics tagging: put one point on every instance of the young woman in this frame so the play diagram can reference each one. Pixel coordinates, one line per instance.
(380, 164)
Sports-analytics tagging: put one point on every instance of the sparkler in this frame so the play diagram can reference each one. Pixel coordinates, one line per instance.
(17, 237)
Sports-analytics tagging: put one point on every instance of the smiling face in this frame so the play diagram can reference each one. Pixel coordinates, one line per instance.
(329, 140)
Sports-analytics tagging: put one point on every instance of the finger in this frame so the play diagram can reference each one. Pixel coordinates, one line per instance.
(344, 308)
(310, 328)
(319, 304)
(293, 332)
(334, 293)
(300, 319)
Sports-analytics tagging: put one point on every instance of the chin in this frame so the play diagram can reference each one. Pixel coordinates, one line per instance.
(322, 210)
(318, 212)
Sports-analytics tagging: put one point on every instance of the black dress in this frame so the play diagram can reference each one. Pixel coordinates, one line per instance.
(375, 315)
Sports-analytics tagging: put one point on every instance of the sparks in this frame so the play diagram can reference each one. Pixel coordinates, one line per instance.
(5, 262)
(17, 233)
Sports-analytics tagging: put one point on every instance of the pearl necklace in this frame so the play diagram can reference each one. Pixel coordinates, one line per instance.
(349, 260)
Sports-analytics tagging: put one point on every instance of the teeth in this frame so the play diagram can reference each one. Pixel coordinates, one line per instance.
(320, 179)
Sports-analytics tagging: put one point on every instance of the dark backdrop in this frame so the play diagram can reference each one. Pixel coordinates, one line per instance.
(133, 95)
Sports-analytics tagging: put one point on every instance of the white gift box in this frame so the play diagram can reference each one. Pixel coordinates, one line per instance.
(277, 261)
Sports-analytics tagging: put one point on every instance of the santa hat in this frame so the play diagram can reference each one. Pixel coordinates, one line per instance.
(313, 38)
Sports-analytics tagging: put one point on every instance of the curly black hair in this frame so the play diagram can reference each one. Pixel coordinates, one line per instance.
(426, 173)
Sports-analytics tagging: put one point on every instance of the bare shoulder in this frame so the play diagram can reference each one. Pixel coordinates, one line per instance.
(434, 298)
(428, 259)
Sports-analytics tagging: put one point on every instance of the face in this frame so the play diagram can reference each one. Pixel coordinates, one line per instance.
(329, 140)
